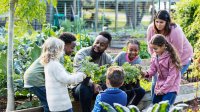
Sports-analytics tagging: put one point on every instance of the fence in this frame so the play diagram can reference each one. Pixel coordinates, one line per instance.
(114, 14)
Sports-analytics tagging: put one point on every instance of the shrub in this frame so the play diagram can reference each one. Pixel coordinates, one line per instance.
(188, 16)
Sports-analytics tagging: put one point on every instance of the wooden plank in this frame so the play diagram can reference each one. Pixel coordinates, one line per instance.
(34, 109)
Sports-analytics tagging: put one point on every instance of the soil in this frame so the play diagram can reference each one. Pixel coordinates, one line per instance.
(193, 105)
(3, 103)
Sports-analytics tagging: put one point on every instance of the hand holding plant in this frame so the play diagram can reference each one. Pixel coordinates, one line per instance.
(93, 70)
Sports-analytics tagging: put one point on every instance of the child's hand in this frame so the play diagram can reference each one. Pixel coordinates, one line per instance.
(97, 88)
(159, 92)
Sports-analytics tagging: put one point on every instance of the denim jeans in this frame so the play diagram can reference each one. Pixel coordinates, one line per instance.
(170, 96)
(185, 67)
(40, 92)
(153, 84)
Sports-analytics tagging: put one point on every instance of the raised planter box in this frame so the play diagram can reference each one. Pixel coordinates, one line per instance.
(187, 93)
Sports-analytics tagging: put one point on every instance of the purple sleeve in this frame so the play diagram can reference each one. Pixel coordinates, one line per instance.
(152, 70)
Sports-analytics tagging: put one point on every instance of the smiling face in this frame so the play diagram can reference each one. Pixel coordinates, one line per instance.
(158, 49)
(132, 50)
(160, 24)
(100, 44)
(69, 48)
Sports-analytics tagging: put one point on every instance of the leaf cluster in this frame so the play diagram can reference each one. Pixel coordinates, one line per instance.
(68, 64)
(158, 107)
(132, 73)
(196, 61)
(93, 70)
(188, 16)
(27, 12)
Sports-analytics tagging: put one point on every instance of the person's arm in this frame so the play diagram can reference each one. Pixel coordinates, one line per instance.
(77, 61)
(177, 39)
(109, 60)
(63, 76)
(152, 70)
(97, 107)
(117, 59)
(149, 36)
(171, 78)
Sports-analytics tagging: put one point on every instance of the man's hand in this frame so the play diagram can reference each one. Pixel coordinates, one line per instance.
(97, 88)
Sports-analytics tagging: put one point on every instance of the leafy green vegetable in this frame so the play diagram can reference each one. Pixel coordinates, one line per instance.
(107, 107)
(68, 64)
(132, 73)
(133, 108)
(93, 70)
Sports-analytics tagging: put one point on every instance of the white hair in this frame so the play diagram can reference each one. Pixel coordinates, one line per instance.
(52, 49)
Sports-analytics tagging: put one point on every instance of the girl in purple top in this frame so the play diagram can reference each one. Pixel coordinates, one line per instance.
(166, 63)
(173, 34)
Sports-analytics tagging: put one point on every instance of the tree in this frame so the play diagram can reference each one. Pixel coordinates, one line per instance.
(21, 15)
(10, 89)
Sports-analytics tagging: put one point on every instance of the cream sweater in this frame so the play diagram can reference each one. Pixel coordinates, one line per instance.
(56, 81)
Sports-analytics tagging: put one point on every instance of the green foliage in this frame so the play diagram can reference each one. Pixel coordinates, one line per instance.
(143, 50)
(158, 107)
(133, 108)
(3, 78)
(93, 70)
(196, 61)
(155, 108)
(190, 11)
(83, 40)
(132, 73)
(121, 108)
(145, 84)
(48, 30)
(163, 106)
(73, 26)
(28, 104)
(68, 64)
(26, 11)
(26, 50)
(53, 2)
(37, 51)
(107, 107)
(104, 21)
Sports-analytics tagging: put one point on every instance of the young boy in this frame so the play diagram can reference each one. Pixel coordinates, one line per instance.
(114, 80)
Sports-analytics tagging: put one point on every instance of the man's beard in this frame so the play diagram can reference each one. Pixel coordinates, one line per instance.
(95, 55)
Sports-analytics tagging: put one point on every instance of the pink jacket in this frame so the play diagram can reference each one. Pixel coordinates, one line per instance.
(178, 40)
(169, 76)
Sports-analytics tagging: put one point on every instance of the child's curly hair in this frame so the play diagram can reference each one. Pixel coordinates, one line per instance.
(52, 49)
